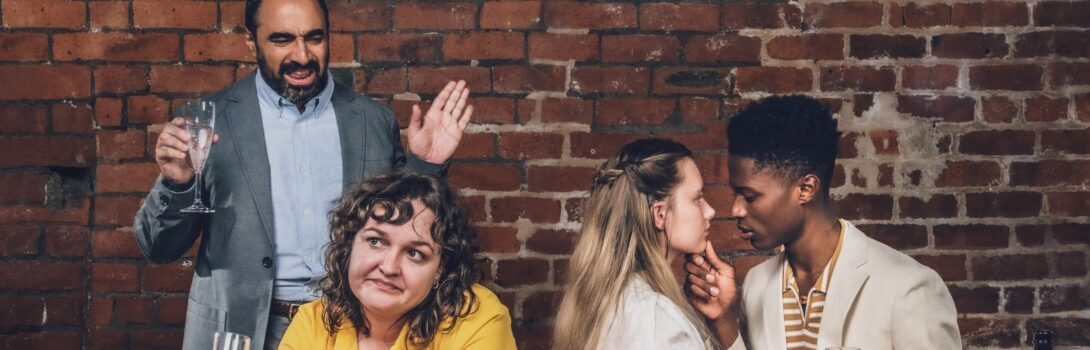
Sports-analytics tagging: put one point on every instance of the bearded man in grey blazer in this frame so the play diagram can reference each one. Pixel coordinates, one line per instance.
(288, 141)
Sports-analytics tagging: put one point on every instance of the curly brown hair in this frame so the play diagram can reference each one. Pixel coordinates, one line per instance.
(451, 231)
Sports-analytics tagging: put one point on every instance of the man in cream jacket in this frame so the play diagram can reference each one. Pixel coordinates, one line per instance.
(831, 285)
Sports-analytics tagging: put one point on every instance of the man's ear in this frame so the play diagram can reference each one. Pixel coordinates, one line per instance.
(250, 37)
(658, 214)
(808, 187)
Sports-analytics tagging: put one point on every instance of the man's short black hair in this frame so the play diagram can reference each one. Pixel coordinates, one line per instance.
(795, 135)
(253, 5)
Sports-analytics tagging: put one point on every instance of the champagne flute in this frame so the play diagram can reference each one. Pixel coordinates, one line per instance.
(230, 341)
(200, 122)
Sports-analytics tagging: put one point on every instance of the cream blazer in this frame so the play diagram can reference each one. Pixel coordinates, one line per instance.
(879, 298)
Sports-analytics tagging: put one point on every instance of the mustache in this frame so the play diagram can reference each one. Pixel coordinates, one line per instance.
(294, 66)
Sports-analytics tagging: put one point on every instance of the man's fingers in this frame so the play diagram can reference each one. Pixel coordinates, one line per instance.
(713, 257)
(464, 120)
(694, 269)
(167, 153)
(167, 140)
(414, 119)
(441, 99)
(455, 96)
(699, 293)
(460, 103)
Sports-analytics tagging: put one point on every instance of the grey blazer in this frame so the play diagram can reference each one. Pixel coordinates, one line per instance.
(233, 278)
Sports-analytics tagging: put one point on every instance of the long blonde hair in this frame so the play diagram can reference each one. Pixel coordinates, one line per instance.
(619, 241)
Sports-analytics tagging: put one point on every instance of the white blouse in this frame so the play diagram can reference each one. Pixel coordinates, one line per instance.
(645, 319)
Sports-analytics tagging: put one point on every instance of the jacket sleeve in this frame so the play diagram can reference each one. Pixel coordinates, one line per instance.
(162, 232)
(924, 314)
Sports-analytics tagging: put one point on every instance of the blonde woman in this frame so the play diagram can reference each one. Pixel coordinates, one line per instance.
(646, 209)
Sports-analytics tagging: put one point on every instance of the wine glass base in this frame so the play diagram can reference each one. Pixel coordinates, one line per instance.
(196, 209)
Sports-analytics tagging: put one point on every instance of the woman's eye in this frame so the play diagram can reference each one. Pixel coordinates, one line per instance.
(374, 242)
(415, 254)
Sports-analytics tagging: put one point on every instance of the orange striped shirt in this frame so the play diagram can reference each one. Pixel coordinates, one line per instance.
(802, 313)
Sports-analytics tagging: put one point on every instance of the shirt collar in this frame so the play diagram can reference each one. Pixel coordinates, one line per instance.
(270, 98)
(822, 284)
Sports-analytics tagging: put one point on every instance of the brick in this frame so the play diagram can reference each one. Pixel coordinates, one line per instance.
(50, 339)
(523, 78)
(852, 14)
(475, 208)
(1030, 235)
(484, 46)
(990, 14)
(121, 144)
(1064, 298)
(1071, 44)
(116, 210)
(971, 236)
(355, 16)
(1071, 233)
(476, 146)
(511, 14)
(114, 243)
(1070, 264)
(541, 305)
(1082, 107)
(125, 177)
(559, 110)
(969, 45)
(64, 14)
(76, 212)
(108, 111)
(44, 82)
(691, 80)
(939, 77)
(807, 47)
(498, 239)
(949, 267)
(117, 79)
(537, 210)
(949, 108)
(115, 277)
(600, 146)
(433, 79)
(1068, 204)
(998, 142)
(485, 176)
(382, 81)
(777, 80)
(22, 119)
(1003, 204)
(899, 237)
(1018, 300)
(914, 15)
(723, 49)
(640, 111)
(1069, 73)
(975, 300)
(558, 178)
(19, 240)
(217, 47)
(558, 242)
(71, 118)
(521, 272)
(173, 277)
(1061, 14)
(579, 47)
(23, 46)
(1050, 173)
(149, 109)
(1022, 77)
(875, 46)
(1045, 109)
(990, 332)
(172, 310)
(190, 78)
(998, 109)
(855, 78)
(935, 206)
(493, 110)
(66, 241)
(65, 151)
(577, 15)
(64, 310)
(435, 16)
(400, 47)
(21, 311)
(682, 17)
(233, 16)
(180, 14)
(591, 80)
(640, 48)
(1009, 267)
(865, 206)
(109, 14)
(700, 110)
(531, 145)
(342, 49)
(760, 16)
(40, 276)
(134, 310)
(116, 46)
(154, 339)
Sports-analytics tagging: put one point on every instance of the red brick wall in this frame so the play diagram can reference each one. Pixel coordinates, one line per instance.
(967, 137)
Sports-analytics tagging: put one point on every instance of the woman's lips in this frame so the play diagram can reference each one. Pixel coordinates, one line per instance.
(383, 285)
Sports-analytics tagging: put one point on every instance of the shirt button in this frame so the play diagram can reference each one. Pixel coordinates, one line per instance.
(306, 212)
(266, 262)
(302, 169)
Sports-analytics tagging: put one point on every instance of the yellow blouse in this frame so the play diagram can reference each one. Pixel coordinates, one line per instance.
(489, 327)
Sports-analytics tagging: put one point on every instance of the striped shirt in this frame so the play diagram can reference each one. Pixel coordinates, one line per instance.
(802, 313)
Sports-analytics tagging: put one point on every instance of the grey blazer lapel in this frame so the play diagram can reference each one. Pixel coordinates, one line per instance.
(352, 130)
(244, 126)
(848, 279)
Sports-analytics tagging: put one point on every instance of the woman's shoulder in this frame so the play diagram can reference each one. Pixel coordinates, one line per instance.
(488, 305)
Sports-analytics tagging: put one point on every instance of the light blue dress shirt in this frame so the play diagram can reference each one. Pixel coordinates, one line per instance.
(306, 169)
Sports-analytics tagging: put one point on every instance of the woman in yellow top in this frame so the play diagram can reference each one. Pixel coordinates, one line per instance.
(401, 275)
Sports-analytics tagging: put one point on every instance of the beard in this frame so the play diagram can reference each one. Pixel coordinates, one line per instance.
(296, 94)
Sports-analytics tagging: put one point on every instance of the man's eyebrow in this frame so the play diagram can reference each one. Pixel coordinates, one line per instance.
(281, 35)
(314, 32)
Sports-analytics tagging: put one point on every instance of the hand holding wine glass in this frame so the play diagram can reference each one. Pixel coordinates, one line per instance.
(184, 142)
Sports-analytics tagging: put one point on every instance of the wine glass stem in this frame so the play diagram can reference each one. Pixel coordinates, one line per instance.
(197, 187)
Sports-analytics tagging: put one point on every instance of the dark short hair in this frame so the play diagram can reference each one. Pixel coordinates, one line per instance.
(253, 5)
(451, 231)
(795, 134)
